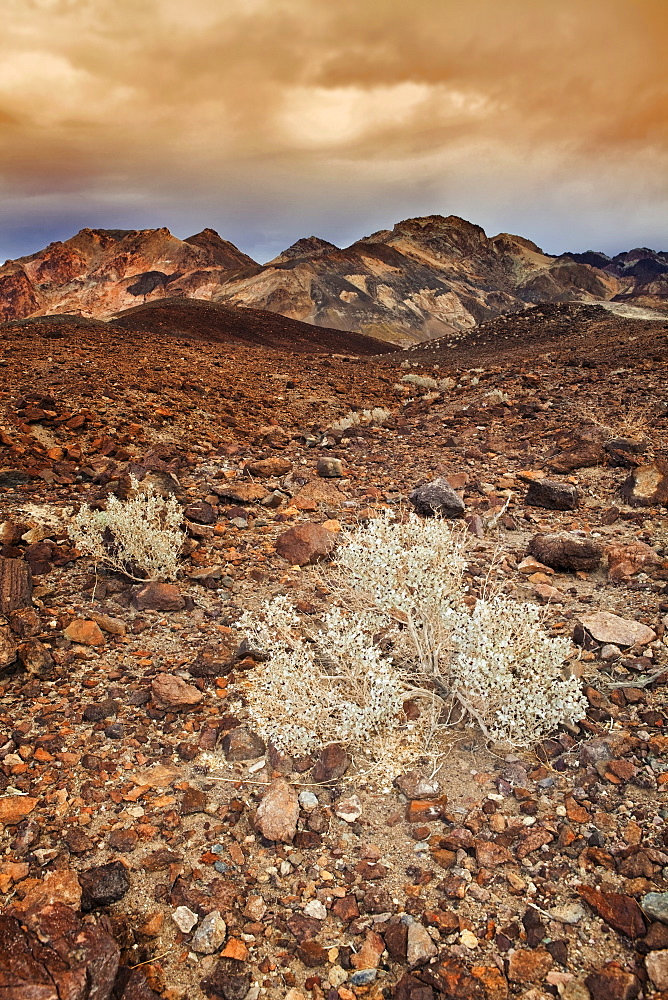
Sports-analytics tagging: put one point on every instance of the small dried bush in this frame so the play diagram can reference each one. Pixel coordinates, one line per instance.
(140, 537)
(403, 628)
(361, 418)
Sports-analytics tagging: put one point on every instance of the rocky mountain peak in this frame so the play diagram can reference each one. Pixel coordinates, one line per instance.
(308, 246)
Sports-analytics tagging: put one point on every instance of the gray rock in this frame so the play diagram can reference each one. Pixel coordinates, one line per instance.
(184, 918)
(420, 947)
(552, 495)
(210, 934)
(655, 906)
(656, 964)
(415, 785)
(330, 468)
(437, 497)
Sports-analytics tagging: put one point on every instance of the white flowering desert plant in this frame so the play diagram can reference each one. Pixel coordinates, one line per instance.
(492, 663)
(140, 537)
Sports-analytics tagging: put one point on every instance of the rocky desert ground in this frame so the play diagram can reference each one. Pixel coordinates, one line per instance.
(152, 844)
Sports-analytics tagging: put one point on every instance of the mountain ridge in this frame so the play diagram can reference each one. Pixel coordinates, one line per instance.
(426, 277)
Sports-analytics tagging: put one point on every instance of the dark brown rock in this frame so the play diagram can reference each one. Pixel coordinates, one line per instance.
(242, 744)
(227, 981)
(305, 544)
(201, 512)
(15, 585)
(103, 885)
(612, 983)
(332, 764)
(35, 658)
(552, 495)
(437, 497)
(194, 801)
(566, 551)
(396, 941)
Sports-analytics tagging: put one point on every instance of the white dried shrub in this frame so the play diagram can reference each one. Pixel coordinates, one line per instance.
(376, 416)
(140, 537)
(426, 382)
(327, 684)
(493, 663)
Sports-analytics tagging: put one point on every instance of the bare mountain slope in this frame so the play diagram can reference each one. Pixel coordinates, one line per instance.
(425, 278)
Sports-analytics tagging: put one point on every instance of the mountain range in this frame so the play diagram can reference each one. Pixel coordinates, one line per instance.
(425, 278)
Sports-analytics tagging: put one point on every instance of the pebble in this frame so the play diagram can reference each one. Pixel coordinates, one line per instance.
(349, 809)
(184, 918)
(210, 934)
(278, 812)
(314, 908)
(655, 906)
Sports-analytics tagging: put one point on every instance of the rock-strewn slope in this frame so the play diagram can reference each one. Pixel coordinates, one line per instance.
(423, 279)
(130, 858)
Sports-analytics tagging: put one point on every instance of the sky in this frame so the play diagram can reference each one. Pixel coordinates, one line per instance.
(269, 120)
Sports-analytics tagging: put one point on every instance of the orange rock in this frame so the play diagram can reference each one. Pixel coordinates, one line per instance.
(86, 633)
(235, 949)
(14, 808)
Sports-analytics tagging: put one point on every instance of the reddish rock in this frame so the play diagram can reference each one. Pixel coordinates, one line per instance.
(305, 544)
(619, 911)
(626, 559)
(346, 908)
(52, 955)
(56, 887)
(489, 854)
(86, 633)
(278, 812)
(170, 691)
(529, 966)
(612, 983)
(159, 597)
(270, 467)
(369, 954)
(14, 808)
(647, 485)
(8, 648)
(15, 585)
(396, 941)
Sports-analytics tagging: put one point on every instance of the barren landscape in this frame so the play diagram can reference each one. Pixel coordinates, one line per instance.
(153, 844)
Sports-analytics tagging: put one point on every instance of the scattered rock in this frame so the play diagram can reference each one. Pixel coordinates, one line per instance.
(626, 559)
(15, 585)
(612, 983)
(103, 885)
(332, 764)
(210, 934)
(170, 691)
(278, 812)
(330, 468)
(86, 633)
(605, 627)
(305, 544)
(419, 945)
(655, 906)
(159, 597)
(647, 485)
(14, 808)
(35, 658)
(270, 467)
(565, 550)
(416, 785)
(526, 966)
(437, 497)
(53, 955)
(656, 964)
(552, 495)
(184, 918)
(349, 809)
(242, 743)
(619, 911)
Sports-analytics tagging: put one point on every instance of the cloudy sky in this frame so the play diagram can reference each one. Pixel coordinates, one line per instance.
(273, 119)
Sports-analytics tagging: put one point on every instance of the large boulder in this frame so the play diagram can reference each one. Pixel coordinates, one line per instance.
(566, 550)
(305, 544)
